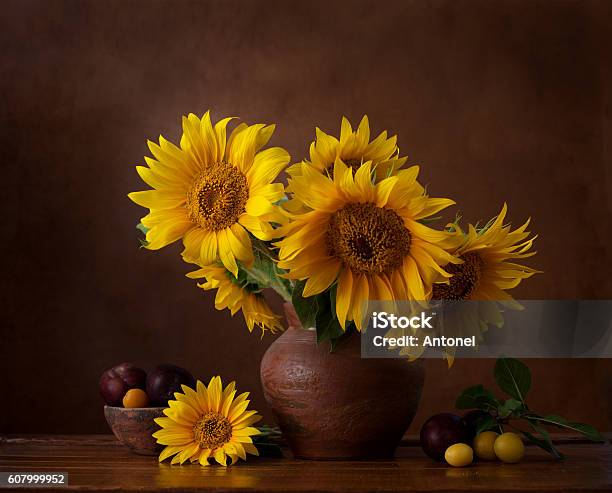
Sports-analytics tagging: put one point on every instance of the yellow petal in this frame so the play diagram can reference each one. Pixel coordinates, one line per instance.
(204, 458)
(250, 448)
(208, 248)
(184, 410)
(214, 393)
(245, 432)
(345, 131)
(382, 288)
(220, 457)
(202, 395)
(209, 139)
(239, 448)
(156, 199)
(359, 300)
(227, 398)
(171, 162)
(384, 189)
(272, 192)
(237, 401)
(157, 180)
(168, 451)
(246, 419)
(221, 135)
(414, 281)
(363, 182)
(174, 415)
(260, 229)
(171, 437)
(323, 151)
(258, 206)
(192, 141)
(267, 165)
(240, 244)
(319, 281)
(166, 233)
(192, 241)
(343, 296)
(225, 252)
(188, 452)
(236, 410)
(432, 206)
(242, 439)
(243, 147)
(363, 132)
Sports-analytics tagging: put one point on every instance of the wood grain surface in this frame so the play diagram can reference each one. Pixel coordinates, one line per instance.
(99, 463)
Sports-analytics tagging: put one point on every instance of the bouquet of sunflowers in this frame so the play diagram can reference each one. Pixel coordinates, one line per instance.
(352, 224)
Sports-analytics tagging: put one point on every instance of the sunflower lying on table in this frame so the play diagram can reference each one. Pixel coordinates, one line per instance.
(208, 423)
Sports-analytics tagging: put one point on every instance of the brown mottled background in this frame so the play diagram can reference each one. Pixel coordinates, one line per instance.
(498, 100)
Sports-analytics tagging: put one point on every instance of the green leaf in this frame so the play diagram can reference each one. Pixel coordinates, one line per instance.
(545, 443)
(485, 423)
(328, 328)
(268, 449)
(318, 312)
(510, 407)
(334, 343)
(327, 325)
(588, 431)
(513, 377)
(476, 397)
(261, 272)
(267, 442)
(141, 227)
(332, 298)
(306, 308)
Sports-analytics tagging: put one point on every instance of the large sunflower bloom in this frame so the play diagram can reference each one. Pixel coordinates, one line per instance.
(207, 423)
(487, 271)
(488, 268)
(353, 148)
(212, 191)
(235, 297)
(364, 235)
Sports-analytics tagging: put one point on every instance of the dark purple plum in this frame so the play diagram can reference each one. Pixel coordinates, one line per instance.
(440, 432)
(164, 380)
(116, 381)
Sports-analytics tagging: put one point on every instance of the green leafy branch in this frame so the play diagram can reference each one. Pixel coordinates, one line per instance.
(268, 441)
(319, 311)
(514, 378)
(264, 273)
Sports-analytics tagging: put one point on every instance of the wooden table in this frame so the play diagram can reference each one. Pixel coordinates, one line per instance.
(99, 463)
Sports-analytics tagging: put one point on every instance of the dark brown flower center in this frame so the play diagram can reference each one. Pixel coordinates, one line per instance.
(464, 282)
(212, 430)
(368, 239)
(217, 197)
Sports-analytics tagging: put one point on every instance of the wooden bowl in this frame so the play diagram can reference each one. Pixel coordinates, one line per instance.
(134, 427)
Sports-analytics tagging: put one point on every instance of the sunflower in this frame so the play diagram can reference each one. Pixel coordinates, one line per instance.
(488, 268)
(487, 271)
(235, 296)
(354, 148)
(212, 191)
(365, 236)
(207, 423)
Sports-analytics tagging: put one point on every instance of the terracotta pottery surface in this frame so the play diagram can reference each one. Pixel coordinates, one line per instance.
(336, 405)
(133, 427)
